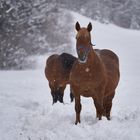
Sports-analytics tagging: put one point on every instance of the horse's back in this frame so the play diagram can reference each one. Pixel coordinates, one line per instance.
(109, 58)
(67, 61)
(108, 54)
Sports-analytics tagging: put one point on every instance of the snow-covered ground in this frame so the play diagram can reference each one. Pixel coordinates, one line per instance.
(26, 111)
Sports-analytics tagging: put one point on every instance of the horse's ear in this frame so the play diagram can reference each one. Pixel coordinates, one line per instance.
(77, 26)
(89, 27)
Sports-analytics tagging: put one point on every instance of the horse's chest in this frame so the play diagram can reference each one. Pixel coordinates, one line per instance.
(84, 74)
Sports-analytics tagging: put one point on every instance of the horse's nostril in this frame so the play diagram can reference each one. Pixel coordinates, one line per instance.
(82, 57)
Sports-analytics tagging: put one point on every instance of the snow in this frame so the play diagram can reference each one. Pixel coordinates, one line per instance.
(26, 111)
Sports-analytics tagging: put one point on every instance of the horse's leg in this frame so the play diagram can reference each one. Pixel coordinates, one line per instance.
(52, 93)
(62, 88)
(78, 107)
(71, 95)
(99, 108)
(108, 104)
(61, 94)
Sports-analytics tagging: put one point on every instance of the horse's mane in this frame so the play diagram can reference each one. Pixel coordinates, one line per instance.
(67, 60)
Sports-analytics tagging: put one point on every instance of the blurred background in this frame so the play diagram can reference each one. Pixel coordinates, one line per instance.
(36, 27)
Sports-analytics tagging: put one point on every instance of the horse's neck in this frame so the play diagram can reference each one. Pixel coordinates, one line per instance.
(95, 61)
(92, 57)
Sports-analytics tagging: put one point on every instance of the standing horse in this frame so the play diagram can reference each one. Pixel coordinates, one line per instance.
(94, 74)
(57, 72)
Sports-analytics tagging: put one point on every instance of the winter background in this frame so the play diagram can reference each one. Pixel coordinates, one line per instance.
(30, 31)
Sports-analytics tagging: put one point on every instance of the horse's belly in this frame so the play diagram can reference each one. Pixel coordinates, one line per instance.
(87, 90)
(87, 94)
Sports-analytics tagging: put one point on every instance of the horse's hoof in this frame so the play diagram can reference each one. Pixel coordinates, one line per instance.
(77, 122)
(108, 118)
(100, 117)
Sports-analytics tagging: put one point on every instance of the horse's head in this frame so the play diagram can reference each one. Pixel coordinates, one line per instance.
(83, 44)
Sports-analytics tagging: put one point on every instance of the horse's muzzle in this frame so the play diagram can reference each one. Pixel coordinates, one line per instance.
(82, 54)
(82, 58)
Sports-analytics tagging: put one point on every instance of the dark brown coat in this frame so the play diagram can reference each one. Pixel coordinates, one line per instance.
(57, 72)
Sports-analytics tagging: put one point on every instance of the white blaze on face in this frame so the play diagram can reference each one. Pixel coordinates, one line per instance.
(87, 69)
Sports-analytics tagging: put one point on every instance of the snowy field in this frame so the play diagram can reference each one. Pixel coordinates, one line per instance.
(26, 111)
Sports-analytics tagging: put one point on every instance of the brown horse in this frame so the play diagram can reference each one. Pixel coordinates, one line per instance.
(94, 74)
(57, 72)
